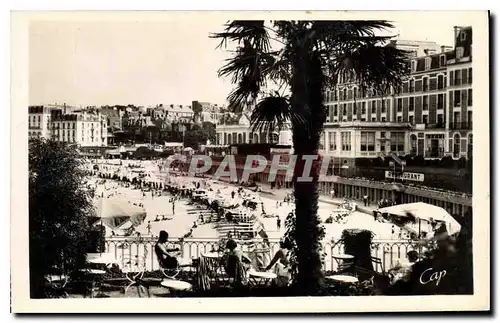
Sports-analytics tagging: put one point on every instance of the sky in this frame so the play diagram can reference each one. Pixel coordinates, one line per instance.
(170, 59)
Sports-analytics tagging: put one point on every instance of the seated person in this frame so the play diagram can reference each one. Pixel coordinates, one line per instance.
(236, 263)
(402, 270)
(282, 262)
(165, 257)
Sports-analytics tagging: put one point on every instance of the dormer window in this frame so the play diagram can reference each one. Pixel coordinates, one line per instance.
(442, 60)
(428, 63)
(460, 52)
(413, 66)
(462, 36)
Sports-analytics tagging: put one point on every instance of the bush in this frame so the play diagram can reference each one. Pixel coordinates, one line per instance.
(419, 161)
(462, 162)
(446, 162)
(378, 162)
(408, 159)
(59, 205)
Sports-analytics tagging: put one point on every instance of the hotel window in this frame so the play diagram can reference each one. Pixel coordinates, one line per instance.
(440, 101)
(412, 86)
(425, 119)
(411, 119)
(442, 60)
(469, 118)
(457, 77)
(440, 82)
(425, 84)
(367, 141)
(354, 110)
(341, 96)
(382, 110)
(456, 98)
(469, 79)
(332, 141)
(413, 66)
(346, 141)
(355, 92)
(383, 119)
(440, 120)
(400, 119)
(374, 119)
(344, 109)
(397, 141)
(345, 94)
(400, 105)
(462, 36)
(363, 108)
(412, 103)
(335, 95)
(425, 102)
(334, 110)
(464, 76)
(469, 97)
(428, 61)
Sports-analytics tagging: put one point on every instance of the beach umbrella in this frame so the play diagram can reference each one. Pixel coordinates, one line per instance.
(114, 212)
(424, 212)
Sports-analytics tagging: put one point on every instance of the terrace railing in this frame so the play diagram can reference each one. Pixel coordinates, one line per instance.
(131, 251)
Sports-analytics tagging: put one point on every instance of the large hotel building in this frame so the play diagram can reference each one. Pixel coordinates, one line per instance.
(430, 115)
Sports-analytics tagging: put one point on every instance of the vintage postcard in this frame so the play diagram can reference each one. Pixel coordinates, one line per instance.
(250, 162)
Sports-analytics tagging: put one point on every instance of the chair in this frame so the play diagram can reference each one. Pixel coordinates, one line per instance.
(376, 263)
(346, 267)
(56, 286)
(169, 273)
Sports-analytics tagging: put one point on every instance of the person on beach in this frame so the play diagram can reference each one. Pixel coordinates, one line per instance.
(278, 223)
(148, 227)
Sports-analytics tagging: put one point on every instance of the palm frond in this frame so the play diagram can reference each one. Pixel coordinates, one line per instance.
(251, 58)
(239, 31)
(273, 112)
(360, 28)
(373, 67)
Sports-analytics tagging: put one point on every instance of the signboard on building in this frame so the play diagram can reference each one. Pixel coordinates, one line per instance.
(416, 177)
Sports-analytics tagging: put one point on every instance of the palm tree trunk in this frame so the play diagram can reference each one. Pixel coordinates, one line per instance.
(307, 88)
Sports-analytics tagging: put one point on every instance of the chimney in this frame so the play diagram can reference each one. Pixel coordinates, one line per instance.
(443, 48)
(456, 32)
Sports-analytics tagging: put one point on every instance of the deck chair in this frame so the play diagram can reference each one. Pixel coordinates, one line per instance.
(170, 272)
(134, 272)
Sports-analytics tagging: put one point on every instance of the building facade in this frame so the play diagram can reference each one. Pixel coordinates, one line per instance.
(235, 129)
(87, 128)
(427, 125)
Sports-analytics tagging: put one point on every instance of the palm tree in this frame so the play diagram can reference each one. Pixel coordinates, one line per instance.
(313, 55)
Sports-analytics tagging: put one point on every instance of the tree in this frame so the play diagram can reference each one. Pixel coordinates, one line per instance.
(58, 209)
(195, 137)
(313, 55)
(209, 130)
